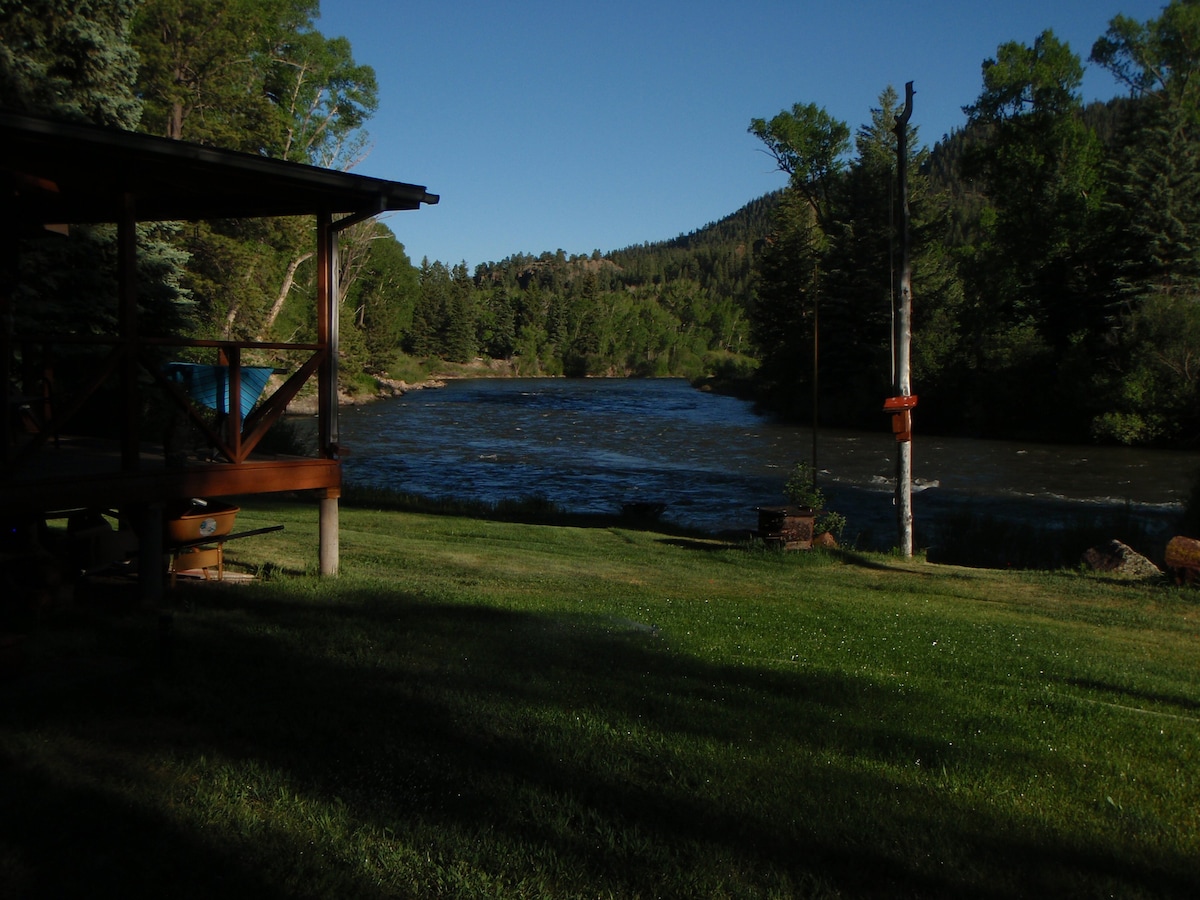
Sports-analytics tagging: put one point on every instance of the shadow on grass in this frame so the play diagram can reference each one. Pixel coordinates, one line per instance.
(63, 839)
(578, 752)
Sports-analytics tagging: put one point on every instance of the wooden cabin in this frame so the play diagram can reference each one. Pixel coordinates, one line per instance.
(64, 174)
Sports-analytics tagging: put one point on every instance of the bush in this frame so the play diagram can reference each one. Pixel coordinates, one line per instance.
(801, 490)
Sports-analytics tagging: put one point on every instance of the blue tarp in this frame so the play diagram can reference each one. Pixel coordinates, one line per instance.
(209, 385)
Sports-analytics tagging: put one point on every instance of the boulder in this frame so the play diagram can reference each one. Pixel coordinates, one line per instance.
(1183, 558)
(1117, 558)
(826, 540)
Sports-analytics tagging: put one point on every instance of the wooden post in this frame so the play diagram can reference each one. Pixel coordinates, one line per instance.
(233, 421)
(127, 317)
(152, 570)
(9, 235)
(903, 385)
(327, 429)
(148, 518)
(326, 371)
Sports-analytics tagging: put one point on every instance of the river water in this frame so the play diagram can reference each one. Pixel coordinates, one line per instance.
(595, 445)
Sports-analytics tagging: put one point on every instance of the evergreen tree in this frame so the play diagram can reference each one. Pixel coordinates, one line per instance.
(1150, 384)
(497, 323)
(69, 59)
(856, 304)
(1040, 165)
(785, 302)
(74, 61)
(430, 311)
(461, 313)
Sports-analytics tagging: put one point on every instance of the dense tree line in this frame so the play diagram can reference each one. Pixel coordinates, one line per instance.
(249, 75)
(675, 307)
(1055, 250)
(258, 76)
(1055, 261)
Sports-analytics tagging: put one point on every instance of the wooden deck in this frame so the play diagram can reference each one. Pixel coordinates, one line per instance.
(86, 473)
(63, 174)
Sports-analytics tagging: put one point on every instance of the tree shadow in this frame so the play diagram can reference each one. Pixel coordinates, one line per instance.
(555, 734)
(57, 836)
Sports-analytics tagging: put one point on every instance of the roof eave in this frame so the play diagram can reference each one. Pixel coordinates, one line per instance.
(87, 173)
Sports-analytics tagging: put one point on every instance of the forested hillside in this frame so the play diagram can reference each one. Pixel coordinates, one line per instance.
(676, 307)
(1056, 265)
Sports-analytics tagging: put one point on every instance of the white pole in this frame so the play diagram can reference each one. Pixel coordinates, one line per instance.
(903, 385)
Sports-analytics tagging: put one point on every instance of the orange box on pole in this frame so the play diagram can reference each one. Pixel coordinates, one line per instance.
(901, 410)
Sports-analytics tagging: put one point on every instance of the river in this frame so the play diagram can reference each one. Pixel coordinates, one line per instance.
(595, 445)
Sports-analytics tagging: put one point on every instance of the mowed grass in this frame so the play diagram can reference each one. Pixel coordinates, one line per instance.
(478, 708)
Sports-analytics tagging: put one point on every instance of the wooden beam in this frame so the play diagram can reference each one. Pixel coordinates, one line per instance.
(260, 420)
(116, 489)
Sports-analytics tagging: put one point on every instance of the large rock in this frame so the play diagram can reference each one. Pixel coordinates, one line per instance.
(1117, 558)
(826, 540)
(1183, 559)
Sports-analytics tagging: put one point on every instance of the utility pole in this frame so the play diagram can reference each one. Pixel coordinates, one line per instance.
(901, 404)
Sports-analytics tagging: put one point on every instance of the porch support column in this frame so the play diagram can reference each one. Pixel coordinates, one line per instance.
(148, 519)
(327, 397)
(329, 534)
(127, 318)
(9, 236)
(151, 553)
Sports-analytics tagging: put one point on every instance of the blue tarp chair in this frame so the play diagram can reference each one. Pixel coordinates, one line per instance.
(209, 385)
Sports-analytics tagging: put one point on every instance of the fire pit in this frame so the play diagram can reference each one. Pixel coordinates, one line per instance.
(790, 527)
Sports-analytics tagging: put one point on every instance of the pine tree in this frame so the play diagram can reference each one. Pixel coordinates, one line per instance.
(74, 61)
(70, 59)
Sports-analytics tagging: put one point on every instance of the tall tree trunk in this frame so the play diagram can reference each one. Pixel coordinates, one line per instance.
(289, 279)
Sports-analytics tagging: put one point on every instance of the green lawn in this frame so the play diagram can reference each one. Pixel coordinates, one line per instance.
(478, 708)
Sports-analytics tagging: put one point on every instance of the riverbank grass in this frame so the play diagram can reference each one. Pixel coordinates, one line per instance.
(483, 708)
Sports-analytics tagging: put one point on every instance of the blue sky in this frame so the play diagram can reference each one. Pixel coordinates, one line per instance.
(585, 126)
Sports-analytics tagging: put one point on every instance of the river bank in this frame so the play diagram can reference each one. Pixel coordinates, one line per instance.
(387, 388)
(598, 445)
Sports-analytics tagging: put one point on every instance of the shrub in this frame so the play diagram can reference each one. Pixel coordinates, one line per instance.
(801, 489)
